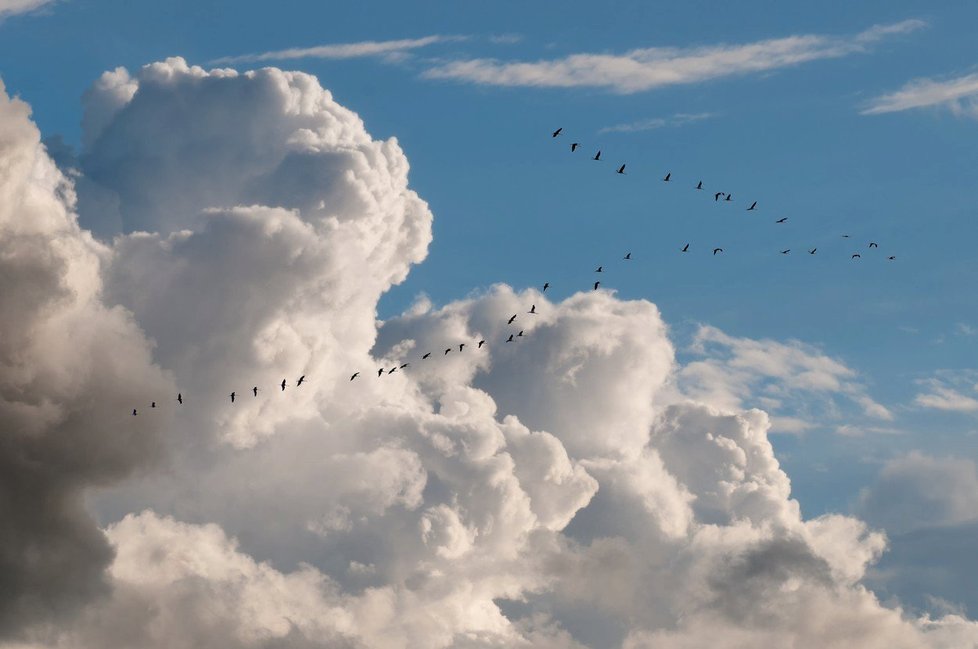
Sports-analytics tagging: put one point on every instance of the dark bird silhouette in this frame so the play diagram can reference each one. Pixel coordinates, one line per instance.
(597, 156)
(380, 372)
(628, 255)
(574, 147)
(873, 245)
(717, 196)
(461, 346)
(404, 365)
(716, 250)
(729, 197)
(180, 399)
(699, 185)
(557, 132)
(301, 379)
(667, 177)
(232, 397)
(355, 375)
(152, 405)
(133, 412)
(447, 350)
(510, 321)
(599, 269)
(426, 356)
(856, 256)
(812, 251)
(510, 339)
(782, 219)
(546, 285)
(481, 343)
(520, 333)
(392, 370)
(283, 387)
(533, 309)
(845, 236)
(596, 285)
(685, 248)
(621, 169)
(891, 258)
(785, 252)
(254, 390)
(752, 206)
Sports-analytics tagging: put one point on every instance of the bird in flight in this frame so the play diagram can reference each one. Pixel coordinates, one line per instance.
(404, 365)
(845, 236)
(557, 132)
(699, 185)
(426, 356)
(510, 339)
(685, 248)
(301, 379)
(447, 350)
(596, 285)
(628, 255)
(599, 269)
(574, 147)
(716, 250)
(180, 399)
(812, 251)
(668, 176)
(152, 405)
(520, 333)
(461, 346)
(533, 309)
(873, 245)
(729, 197)
(355, 375)
(481, 343)
(255, 389)
(891, 258)
(283, 386)
(717, 196)
(597, 156)
(133, 412)
(785, 252)
(232, 397)
(510, 321)
(546, 285)
(380, 372)
(752, 206)
(782, 219)
(392, 370)
(856, 256)
(621, 169)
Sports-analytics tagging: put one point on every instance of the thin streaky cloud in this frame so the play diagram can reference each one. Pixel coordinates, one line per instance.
(679, 119)
(13, 7)
(342, 50)
(648, 68)
(959, 94)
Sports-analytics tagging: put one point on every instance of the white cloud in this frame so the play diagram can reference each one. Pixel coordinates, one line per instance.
(950, 391)
(482, 498)
(960, 95)
(342, 50)
(648, 68)
(679, 119)
(14, 7)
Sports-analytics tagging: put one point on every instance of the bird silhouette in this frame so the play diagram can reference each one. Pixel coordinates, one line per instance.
(574, 147)
(717, 196)
(180, 399)
(301, 379)
(355, 375)
(520, 333)
(873, 245)
(785, 252)
(845, 236)
(380, 372)
(404, 365)
(134, 412)
(782, 219)
(232, 397)
(254, 390)
(392, 370)
(621, 169)
(447, 350)
(557, 132)
(856, 256)
(546, 285)
(599, 269)
(461, 346)
(729, 197)
(533, 309)
(426, 356)
(667, 177)
(283, 386)
(510, 321)
(596, 285)
(628, 255)
(597, 156)
(812, 251)
(152, 404)
(752, 206)
(699, 185)
(510, 339)
(685, 248)
(481, 343)
(716, 250)
(891, 258)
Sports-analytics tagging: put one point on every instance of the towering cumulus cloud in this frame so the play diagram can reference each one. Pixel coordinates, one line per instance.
(556, 492)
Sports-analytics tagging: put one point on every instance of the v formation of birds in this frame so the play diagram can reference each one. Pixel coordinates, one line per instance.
(722, 196)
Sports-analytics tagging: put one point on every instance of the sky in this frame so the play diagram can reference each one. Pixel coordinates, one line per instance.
(386, 182)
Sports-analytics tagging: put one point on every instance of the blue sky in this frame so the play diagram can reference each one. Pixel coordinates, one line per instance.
(513, 205)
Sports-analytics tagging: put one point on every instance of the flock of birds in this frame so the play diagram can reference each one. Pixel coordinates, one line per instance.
(516, 332)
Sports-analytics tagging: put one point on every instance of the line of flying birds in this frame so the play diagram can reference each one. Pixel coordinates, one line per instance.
(513, 337)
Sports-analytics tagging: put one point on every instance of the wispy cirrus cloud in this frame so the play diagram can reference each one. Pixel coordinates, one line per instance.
(959, 94)
(648, 68)
(652, 123)
(343, 50)
(12, 7)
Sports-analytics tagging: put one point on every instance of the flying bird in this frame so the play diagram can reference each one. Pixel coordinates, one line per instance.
(301, 379)
(856, 256)
(426, 356)
(404, 365)
(597, 156)
(133, 412)
(699, 185)
(180, 399)
(729, 197)
(785, 252)
(481, 343)
(668, 176)
(283, 387)
(533, 309)
(355, 375)
(845, 236)
(596, 285)
(392, 370)
(599, 269)
(812, 251)
(782, 219)
(510, 339)
(685, 248)
(447, 350)
(717, 196)
(752, 206)
(574, 147)
(557, 132)
(380, 372)
(628, 255)
(232, 397)
(873, 245)
(520, 333)
(621, 169)
(510, 321)
(716, 250)
(546, 285)
(892, 257)
(255, 389)
(152, 405)
(460, 346)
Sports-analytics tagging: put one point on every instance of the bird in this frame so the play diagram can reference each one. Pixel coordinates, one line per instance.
(845, 236)
(510, 339)
(533, 309)
(301, 379)
(355, 375)
(699, 185)
(232, 397)
(133, 412)
(752, 206)
(546, 285)
(152, 405)
(621, 169)
(716, 250)
(179, 398)
(596, 285)
(597, 156)
(717, 196)
(481, 343)
(510, 321)
(520, 333)
(729, 197)
(392, 370)
(460, 346)
(283, 386)
(873, 245)
(856, 256)
(380, 372)
(892, 257)
(426, 356)
(557, 132)
(628, 255)
(685, 248)
(599, 269)
(574, 146)
(255, 389)
(447, 350)
(404, 365)
(667, 177)
(785, 252)
(812, 251)
(782, 219)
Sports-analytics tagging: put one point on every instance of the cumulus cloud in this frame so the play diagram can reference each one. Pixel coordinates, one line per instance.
(485, 497)
(648, 68)
(342, 50)
(958, 94)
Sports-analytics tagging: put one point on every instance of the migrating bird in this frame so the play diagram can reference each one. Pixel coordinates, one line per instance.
(301, 379)
(460, 346)
(812, 251)
(255, 389)
(628, 255)
(716, 250)
(717, 196)
(232, 397)
(557, 132)
(404, 365)
(180, 398)
(752, 206)
(668, 176)
(596, 285)
(597, 156)
(782, 219)
(533, 309)
(599, 269)
(133, 412)
(355, 375)
(685, 248)
(447, 350)
(510, 339)
(574, 147)
(283, 386)
(785, 252)
(845, 236)
(510, 321)
(520, 333)
(729, 197)
(856, 256)
(892, 258)
(699, 185)
(621, 169)
(152, 405)
(481, 343)
(546, 285)
(426, 356)
(380, 372)
(392, 370)
(873, 245)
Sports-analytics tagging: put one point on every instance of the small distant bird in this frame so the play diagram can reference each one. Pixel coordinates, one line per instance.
(510, 321)
(716, 250)
(481, 343)
(426, 356)
(533, 309)
(628, 255)
(380, 372)
(699, 185)
(301, 379)
(782, 219)
(856, 256)
(152, 405)
(510, 339)
(752, 206)
(404, 365)
(892, 257)
(596, 285)
(520, 333)
(812, 251)
(557, 132)
(283, 386)
(355, 375)
(392, 370)
(621, 169)
(133, 412)
(546, 285)
(667, 177)
(873, 245)
(447, 350)
(574, 147)
(785, 252)
(685, 248)
(232, 397)
(180, 399)
(597, 156)
(729, 197)
(845, 236)
(599, 269)
(254, 390)
(717, 196)
(461, 346)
